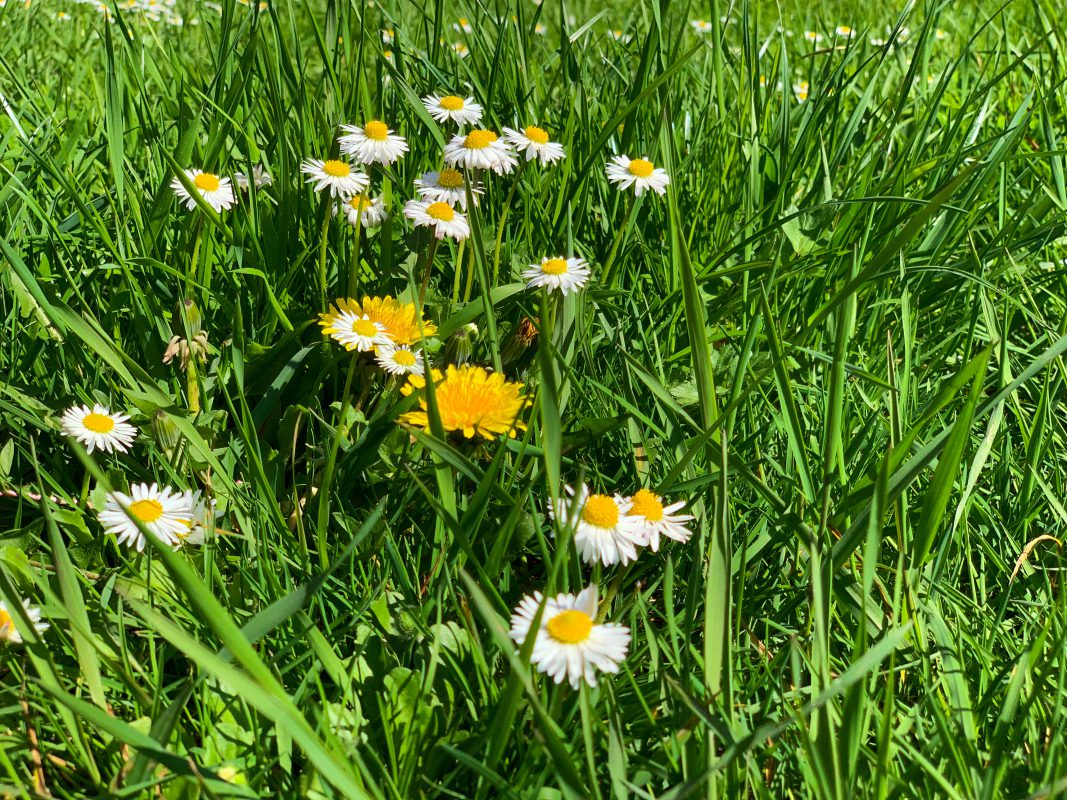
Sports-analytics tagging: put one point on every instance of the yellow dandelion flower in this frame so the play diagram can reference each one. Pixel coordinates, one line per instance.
(472, 400)
(400, 320)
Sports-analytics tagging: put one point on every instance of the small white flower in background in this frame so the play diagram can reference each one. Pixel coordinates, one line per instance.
(356, 331)
(701, 25)
(374, 143)
(940, 34)
(166, 513)
(801, 91)
(63, 16)
(569, 642)
(659, 520)
(366, 211)
(462, 111)
(618, 35)
(337, 177)
(448, 186)
(98, 428)
(388, 36)
(540, 29)
(462, 25)
(638, 173)
(399, 360)
(602, 530)
(260, 178)
(562, 274)
(203, 514)
(9, 633)
(844, 31)
(216, 192)
(533, 141)
(388, 56)
(440, 216)
(460, 49)
(877, 41)
(812, 36)
(480, 149)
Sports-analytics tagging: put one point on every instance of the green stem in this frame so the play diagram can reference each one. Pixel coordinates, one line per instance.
(610, 262)
(196, 257)
(503, 220)
(323, 239)
(353, 267)
(427, 268)
(323, 517)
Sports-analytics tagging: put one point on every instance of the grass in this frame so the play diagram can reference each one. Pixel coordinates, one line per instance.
(839, 335)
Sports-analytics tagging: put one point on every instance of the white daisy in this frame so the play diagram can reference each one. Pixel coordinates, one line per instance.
(354, 331)
(801, 91)
(99, 428)
(540, 29)
(448, 186)
(203, 515)
(461, 49)
(368, 211)
(701, 25)
(388, 36)
(260, 177)
(375, 142)
(166, 513)
(216, 192)
(399, 360)
(844, 31)
(453, 107)
(442, 217)
(940, 34)
(337, 176)
(813, 37)
(659, 520)
(480, 149)
(462, 25)
(9, 633)
(569, 642)
(564, 274)
(534, 142)
(877, 41)
(618, 35)
(602, 530)
(638, 173)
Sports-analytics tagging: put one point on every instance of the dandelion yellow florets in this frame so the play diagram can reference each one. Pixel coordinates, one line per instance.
(472, 400)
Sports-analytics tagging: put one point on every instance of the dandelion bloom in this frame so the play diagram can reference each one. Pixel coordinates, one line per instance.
(440, 216)
(480, 149)
(98, 428)
(638, 173)
(462, 111)
(338, 177)
(569, 642)
(603, 531)
(562, 274)
(533, 141)
(166, 513)
(215, 191)
(659, 520)
(472, 400)
(375, 142)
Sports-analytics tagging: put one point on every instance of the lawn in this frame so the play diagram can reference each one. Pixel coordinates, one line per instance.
(561, 400)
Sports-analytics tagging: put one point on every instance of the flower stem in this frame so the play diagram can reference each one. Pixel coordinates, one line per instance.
(427, 269)
(323, 518)
(504, 219)
(353, 267)
(323, 240)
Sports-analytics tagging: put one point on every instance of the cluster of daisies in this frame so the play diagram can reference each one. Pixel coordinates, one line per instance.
(388, 330)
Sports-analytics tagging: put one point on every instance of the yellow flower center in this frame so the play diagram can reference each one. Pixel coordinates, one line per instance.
(404, 358)
(5, 621)
(647, 504)
(451, 103)
(640, 168)
(336, 169)
(357, 203)
(601, 511)
(479, 140)
(147, 510)
(441, 211)
(378, 131)
(554, 266)
(450, 179)
(570, 627)
(535, 134)
(365, 327)
(98, 423)
(206, 182)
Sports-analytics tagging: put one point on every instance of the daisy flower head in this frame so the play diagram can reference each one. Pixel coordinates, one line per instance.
(99, 429)
(471, 400)
(440, 216)
(215, 191)
(388, 36)
(701, 25)
(801, 91)
(203, 514)
(352, 329)
(844, 31)
(480, 149)
(447, 186)
(813, 37)
(463, 25)
(540, 29)
(533, 141)
(638, 173)
(401, 320)
(562, 274)
(9, 633)
(374, 143)
(165, 513)
(362, 210)
(452, 107)
(659, 520)
(259, 178)
(461, 49)
(618, 35)
(337, 177)
(603, 530)
(569, 642)
(399, 360)
(940, 34)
